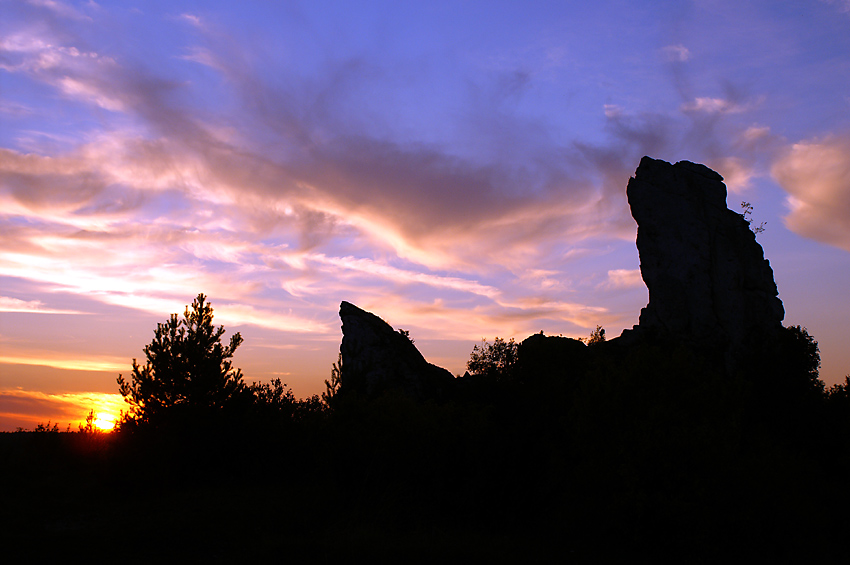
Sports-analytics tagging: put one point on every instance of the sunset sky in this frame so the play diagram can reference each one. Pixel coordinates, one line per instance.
(457, 168)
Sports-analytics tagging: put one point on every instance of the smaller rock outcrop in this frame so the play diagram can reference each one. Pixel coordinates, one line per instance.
(376, 358)
(541, 356)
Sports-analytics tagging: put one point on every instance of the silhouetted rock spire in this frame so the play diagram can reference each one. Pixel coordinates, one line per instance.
(376, 358)
(707, 276)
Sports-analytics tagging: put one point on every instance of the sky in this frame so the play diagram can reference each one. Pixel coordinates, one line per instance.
(457, 168)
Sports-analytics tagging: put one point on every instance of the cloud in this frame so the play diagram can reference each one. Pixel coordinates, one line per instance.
(8, 304)
(78, 363)
(202, 56)
(737, 173)
(613, 111)
(624, 278)
(841, 5)
(192, 19)
(77, 73)
(816, 175)
(396, 275)
(396, 194)
(14, 109)
(241, 314)
(91, 91)
(324, 184)
(755, 133)
(60, 8)
(713, 106)
(677, 53)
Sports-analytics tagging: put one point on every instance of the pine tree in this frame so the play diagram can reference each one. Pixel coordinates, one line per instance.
(188, 374)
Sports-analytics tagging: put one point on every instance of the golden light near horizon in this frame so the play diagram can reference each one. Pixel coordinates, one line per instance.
(105, 423)
(105, 412)
(68, 411)
(98, 422)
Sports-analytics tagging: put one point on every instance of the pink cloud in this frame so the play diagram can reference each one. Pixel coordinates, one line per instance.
(624, 278)
(816, 175)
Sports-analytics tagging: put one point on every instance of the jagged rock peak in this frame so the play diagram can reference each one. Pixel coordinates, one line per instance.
(376, 358)
(706, 274)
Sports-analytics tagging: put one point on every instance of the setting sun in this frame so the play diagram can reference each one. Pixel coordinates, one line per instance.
(105, 423)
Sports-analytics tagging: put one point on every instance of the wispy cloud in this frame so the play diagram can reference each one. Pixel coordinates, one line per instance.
(713, 106)
(82, 363)
(396, 275)
(8, 304)
(624, 278)
(841, 5)
(192, 19)
(92, 92)
(60, 8)
(678, 53)
(241, 314)
(202, 56)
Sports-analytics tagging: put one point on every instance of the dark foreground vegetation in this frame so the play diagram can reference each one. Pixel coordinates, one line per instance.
(647, 453)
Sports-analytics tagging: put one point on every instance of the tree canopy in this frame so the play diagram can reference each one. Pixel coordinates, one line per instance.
(188, 372)
(495, 361)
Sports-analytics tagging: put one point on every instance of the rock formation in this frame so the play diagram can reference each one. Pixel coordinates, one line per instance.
(376, 358)
(707, 276)
(540, 355)
(710, 289)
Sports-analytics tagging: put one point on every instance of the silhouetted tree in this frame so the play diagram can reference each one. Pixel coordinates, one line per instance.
(273, 406)
(275, 394)
(332, 385)
(840, 392)
(187, 375)
(46, 428)
(838, 409)
(596, 336)
(89, 427)
(495, 361)
(406, 333)
(800, 363)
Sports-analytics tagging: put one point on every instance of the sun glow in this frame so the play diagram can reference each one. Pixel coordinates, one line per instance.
(71, 411)
(105, 423)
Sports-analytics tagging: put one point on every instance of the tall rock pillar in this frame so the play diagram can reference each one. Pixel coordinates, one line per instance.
(707, 276)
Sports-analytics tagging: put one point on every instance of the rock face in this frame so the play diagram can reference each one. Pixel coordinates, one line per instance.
(376, 358)
(707, 276)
